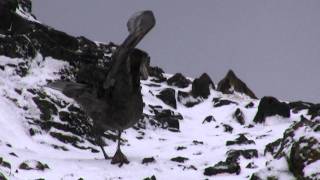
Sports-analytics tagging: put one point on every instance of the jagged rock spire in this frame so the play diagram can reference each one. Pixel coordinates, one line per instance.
(232, 83)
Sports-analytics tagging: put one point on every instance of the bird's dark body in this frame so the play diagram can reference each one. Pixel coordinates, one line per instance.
(116, 103)
(120, 106)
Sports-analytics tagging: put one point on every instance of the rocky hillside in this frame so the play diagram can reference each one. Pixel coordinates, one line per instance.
(191, 129)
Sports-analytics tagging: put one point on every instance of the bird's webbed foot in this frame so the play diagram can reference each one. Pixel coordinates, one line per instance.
(119, 158)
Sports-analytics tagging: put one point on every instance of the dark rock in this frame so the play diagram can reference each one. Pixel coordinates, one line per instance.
(223, 167)
(2, 177)
(150, 178)
(241, 140)
(208, 119)
(250, 105)
(195, 142)
(33, 165)
(187, 99)
(298, 149)
(168, 96)
(166, 118)
(148, 160)
(227, 128)
(238, 115)
(201, 86)
(222, 102)
(179, 148)
(270, 106)
(7, 10)
(13, 154)
(178, 80)
(32, 132)
(234, 155)
(232, 83)
(251, 165)
(255, 177)
(157, 72)
(179, 159)
(299, 105)
(46, 107)
(65, 138)
(4, 163)
(314, 111)
(272, 147)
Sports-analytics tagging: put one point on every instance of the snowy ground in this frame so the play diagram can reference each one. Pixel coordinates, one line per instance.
(158, 143)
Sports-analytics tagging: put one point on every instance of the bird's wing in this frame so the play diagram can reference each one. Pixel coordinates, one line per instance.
(70, 89)
(139, 24)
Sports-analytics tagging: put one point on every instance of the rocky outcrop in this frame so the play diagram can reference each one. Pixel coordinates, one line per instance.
(187, 99)
(168, 96)
(270, 106)
(300, 147)
(157, 74)
(165, 118)
(231, 83)
(178, 80)
(201, 86)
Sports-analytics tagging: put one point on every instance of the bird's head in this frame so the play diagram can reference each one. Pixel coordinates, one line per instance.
(139, 61)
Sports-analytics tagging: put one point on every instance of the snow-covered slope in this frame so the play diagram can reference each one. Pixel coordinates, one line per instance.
(198, 144)
(189, 130)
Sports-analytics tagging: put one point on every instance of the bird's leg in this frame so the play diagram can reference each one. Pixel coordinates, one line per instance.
(119, 157)
(99, 142)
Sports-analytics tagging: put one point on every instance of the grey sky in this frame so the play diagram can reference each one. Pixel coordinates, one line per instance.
(272, 45)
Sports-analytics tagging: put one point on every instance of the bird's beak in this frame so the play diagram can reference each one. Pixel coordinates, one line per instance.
(144, 71)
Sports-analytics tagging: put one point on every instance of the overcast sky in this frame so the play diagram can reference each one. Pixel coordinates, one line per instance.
(272, 45)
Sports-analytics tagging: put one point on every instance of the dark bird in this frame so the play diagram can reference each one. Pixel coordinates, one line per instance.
(120, 104)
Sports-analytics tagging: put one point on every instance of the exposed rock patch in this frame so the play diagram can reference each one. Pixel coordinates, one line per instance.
(201, 86)
(239, 116)
(217, 102)
(270, 106)
(168, 96)
(178, 80)
(232, 83)
(241, 140)
(300, 147)
(187, 99)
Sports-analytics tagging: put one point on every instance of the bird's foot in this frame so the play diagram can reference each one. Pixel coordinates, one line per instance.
(120, 158)
(106, 157)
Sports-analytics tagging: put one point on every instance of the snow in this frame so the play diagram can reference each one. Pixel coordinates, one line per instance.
(158, 143)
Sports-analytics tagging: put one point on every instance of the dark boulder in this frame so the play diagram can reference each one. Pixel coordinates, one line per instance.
(178, 80)
(270, 106)
(234, 155)
(168, 96)
(217, 102)
(7, 11)
(179, 159)
(250, 105)
(314, 111)
(165, 118)
(239, 116)
(299, 105)
(208, 119)
(241, 140)
(33, 165)
(232, 83)
(187, 99)
(223, 167)
(201, 86)
(148, 160)
(227, 128)
(157, 73)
